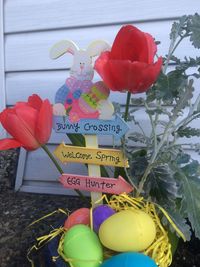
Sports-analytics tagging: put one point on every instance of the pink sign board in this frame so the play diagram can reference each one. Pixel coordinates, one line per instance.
(96, 184)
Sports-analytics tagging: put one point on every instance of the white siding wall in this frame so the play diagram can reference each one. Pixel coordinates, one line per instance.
(2, 67)
(31, 27)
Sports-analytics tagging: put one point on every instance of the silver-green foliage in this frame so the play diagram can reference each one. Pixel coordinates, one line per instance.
(161, 168)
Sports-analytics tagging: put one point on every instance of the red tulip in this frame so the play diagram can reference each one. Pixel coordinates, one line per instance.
(130, 63)
(29, 123)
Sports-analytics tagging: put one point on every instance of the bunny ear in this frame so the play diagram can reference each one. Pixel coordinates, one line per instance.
(96, 47)
(63, 47)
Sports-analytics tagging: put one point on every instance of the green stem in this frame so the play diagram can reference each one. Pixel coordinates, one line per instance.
(153, 126)
(154, 155)
(172, 49)
(45, 148)
(186, 121)
(128, 99)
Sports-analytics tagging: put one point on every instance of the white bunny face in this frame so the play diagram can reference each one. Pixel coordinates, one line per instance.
(82, 68)
(82, 64)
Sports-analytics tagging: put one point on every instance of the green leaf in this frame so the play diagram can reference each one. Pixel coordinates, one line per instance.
(77, 139)
(187, 63)
(168, 87)
(163, 184)
(188, 132)
(191, 169)
(154, 111)
(182, 158)
(138, 163)
(174, 240)
(194, 217)
(179, 221)
(194, 26)
(184, 98)
(190, 204)
(178, 28)
(137, 101)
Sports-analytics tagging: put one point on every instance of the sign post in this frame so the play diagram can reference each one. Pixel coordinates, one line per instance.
(82, 107)
(91, 141)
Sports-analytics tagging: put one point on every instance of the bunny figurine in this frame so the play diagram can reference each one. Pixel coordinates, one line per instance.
(76, 97)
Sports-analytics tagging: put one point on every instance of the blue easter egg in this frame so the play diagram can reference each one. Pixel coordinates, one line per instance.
(129, 259)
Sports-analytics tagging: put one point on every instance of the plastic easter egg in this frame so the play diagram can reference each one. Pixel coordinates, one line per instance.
(100, 91)
(128, 230)
(88, 102)
(129, 259)
(82, 245)
(80, 216)
(100, 214)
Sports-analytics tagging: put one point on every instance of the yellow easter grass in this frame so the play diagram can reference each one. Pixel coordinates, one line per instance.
(159, 250)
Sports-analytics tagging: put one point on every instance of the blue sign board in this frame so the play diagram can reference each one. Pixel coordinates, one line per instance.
(116, 127)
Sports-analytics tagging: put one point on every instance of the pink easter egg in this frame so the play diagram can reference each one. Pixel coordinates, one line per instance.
(80, 216)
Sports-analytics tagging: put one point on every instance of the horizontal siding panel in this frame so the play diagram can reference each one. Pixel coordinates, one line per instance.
(48, 188)
(45, 83)
(2, 68)
(46, 171)
(30, 51)
(103, 140)
(23, 15)
(20, 85)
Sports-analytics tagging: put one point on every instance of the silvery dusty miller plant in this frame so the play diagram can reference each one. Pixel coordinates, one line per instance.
(161, 167)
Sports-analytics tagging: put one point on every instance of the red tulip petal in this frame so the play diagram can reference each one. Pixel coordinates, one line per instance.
(17, 128)
(123, 75)
(9, 143)
(146, 76)
(35, 101)
(135, 77)
(21, 104)
(152, 48)
(102, 67)
(3, 115)
(130, 44)
(44, 122)
(28, 116)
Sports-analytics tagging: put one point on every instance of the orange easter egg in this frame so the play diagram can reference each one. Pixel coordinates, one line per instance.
(80, 216)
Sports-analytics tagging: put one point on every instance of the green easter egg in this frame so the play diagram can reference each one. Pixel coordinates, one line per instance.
(82, 245)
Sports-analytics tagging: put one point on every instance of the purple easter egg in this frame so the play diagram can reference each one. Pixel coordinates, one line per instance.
(100, 214)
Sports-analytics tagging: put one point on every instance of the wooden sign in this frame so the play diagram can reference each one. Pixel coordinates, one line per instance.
(116, 127)
(97, 156)
(96, 184)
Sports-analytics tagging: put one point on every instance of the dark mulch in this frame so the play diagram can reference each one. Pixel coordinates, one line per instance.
(18, 210)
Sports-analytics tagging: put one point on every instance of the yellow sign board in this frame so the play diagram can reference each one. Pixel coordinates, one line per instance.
(98, 156)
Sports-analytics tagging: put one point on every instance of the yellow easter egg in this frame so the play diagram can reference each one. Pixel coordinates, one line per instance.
(128, 230)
